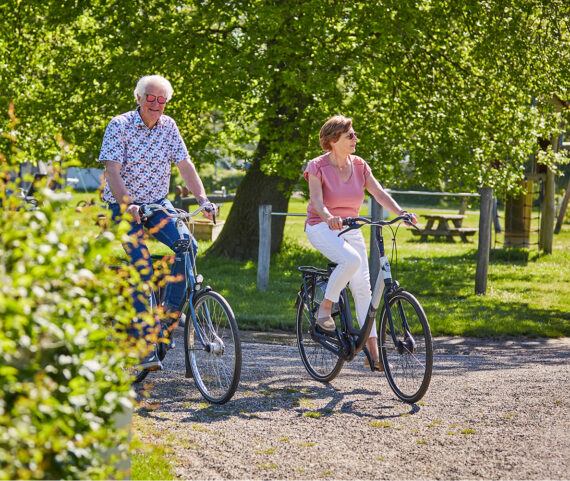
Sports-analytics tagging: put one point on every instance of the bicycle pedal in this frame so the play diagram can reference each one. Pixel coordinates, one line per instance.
(323, 332)
(160, 367)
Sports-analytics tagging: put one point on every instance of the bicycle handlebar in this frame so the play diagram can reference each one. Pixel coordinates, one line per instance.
(358, 222)
(146, 210)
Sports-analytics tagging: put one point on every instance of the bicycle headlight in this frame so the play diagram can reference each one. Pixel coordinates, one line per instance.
(198, 282)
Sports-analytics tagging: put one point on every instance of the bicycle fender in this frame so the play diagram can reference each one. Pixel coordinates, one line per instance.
(299, 297)
(202, 291)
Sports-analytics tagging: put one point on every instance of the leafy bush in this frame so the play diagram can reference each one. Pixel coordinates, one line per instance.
(62, 376)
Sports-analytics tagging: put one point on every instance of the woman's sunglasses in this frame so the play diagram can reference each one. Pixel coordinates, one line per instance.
(151, 98)
(352, 135)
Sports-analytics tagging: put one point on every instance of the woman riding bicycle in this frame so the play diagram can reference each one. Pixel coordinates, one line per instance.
(336, 186)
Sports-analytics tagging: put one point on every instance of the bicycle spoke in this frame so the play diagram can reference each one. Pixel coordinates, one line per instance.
(408, 370)
(322, 364)
(214, 348)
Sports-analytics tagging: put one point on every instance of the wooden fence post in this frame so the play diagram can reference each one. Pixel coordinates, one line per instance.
(264, 253)
(484, 240)
(548, 214)
(376, 213)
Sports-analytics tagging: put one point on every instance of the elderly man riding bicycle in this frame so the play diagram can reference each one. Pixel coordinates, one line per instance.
(138, 150)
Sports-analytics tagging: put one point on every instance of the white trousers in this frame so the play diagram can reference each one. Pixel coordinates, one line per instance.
(349, 253)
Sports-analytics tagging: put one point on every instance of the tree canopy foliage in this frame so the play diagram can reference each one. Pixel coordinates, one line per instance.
(452, 91)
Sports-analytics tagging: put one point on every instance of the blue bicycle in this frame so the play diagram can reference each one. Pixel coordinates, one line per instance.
(212, 347)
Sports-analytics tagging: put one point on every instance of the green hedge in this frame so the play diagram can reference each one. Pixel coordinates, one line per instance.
(63, 372)
(212, 180)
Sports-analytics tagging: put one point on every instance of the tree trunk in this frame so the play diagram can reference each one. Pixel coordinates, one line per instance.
(562, 211)
(240, 237)
(548, 214)
(518, 215)
(484, 240)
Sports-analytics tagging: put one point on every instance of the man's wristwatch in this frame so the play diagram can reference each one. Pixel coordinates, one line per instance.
(202, 200)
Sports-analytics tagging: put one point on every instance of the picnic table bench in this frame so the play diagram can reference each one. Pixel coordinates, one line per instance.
(444, 229)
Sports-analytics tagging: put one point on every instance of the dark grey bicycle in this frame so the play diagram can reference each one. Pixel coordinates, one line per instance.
(404, 336)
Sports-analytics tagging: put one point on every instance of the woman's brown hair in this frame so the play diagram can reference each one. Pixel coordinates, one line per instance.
(333, 129)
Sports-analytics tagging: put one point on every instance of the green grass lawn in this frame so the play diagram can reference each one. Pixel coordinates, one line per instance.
(528, 294)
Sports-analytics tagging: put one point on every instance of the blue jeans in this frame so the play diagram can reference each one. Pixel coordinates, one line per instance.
(163, 229)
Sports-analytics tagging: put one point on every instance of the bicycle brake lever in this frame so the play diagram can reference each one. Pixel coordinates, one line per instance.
(211, 209)
(408, 221)
(351, 225)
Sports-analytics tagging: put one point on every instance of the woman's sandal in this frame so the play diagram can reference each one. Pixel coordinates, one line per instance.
(326, 324)
(378, 366)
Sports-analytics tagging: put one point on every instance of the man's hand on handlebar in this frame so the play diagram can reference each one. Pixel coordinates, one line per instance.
(210, 210)
(133, 211)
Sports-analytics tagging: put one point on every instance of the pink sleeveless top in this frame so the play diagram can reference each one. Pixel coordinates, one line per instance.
(342, 199)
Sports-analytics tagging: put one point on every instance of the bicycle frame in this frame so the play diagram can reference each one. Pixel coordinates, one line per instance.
(383, 287)
(193, 289)
(193, 283)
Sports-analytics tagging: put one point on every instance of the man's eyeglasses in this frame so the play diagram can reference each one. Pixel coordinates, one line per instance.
(151, 98)
(352, 135)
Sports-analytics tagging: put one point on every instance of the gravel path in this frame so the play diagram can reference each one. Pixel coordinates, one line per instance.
(494, 409)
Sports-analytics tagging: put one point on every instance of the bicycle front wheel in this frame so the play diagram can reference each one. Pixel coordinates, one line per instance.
(322, 364)
(408, 362)
(214, 348)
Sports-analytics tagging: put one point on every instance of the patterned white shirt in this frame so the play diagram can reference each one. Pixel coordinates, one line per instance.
(146, 155)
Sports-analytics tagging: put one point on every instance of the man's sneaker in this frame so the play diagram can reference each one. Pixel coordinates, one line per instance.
(171, 345)
(151, 362)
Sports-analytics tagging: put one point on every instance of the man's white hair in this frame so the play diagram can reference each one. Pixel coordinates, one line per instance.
(157, 80)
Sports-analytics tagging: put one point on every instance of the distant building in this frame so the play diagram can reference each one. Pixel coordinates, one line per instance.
(84, 179)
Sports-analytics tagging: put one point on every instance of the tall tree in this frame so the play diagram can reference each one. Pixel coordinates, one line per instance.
(460, 87)
(448, 85)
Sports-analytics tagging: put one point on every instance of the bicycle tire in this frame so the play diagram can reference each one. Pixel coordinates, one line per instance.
(322, 364)
(408, 370)
(216, 366)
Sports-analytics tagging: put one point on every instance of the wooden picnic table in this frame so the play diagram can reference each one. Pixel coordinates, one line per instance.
(444, 228)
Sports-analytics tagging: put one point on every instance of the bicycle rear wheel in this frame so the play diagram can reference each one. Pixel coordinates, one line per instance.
(214, 348)
(408, 367)
(322, 364)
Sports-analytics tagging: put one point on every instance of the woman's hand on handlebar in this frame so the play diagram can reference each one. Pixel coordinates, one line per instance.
(334, 222)
(414, 217)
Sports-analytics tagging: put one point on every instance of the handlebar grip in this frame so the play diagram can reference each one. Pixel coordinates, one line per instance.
(143, 212)
(211, 208)
(347, 221)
